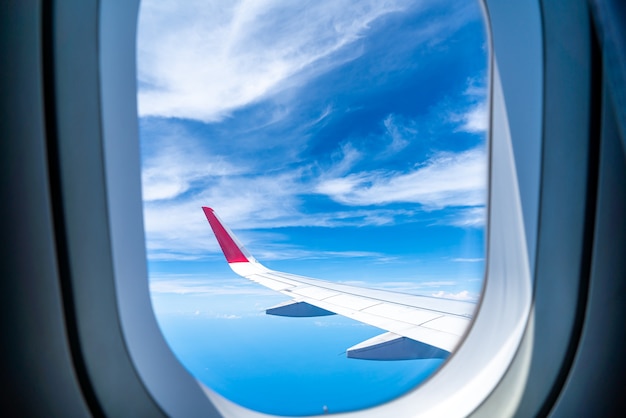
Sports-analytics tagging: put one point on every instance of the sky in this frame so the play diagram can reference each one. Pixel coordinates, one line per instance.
(342, 140)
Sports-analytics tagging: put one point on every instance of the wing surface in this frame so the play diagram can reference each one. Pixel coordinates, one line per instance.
(418, 326)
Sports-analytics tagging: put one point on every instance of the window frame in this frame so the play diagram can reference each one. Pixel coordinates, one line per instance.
(122, 316)
(453, 390)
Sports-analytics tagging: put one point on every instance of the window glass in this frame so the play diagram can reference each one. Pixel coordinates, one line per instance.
(341, 140)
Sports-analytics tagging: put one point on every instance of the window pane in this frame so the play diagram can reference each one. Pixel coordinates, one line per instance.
(344, 141)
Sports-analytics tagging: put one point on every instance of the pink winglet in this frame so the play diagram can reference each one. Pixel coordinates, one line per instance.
(231, 250)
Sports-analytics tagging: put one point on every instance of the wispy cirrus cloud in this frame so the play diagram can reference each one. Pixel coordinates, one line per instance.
(177, 230)
(214, 59)
(401, 134)
(226, 63)
(446, 179)
(177, 226)
(474, 217)
(176, 188)
(174, 168)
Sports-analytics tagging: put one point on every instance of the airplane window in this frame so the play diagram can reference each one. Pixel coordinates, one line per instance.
(343, 141)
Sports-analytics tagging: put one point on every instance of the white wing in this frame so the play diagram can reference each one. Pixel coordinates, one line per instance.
(418, 326)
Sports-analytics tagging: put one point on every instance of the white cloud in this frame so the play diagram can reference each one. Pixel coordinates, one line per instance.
(445, 180)
(439, 283)
(284, 252)
(187, 286)
(398, 133)
(467, 218)
(201, 60)
(179, 227)
(236, 286)
(462, 295)
(474, 117)
(178, 230)
(228, 316)
(176, 188)
(468, 260)
(179, 177)
(344, 159)
(475, 87)
(173, 170)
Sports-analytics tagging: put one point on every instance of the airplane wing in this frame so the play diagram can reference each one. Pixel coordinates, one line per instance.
(418, 326)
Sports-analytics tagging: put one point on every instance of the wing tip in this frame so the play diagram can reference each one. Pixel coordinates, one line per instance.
(231, 248)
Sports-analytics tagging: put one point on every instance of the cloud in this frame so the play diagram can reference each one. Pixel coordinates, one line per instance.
(467, 218)
(462, 295)
(188, 286)
(283, 252)
(177, 229)
(181, 176)
(475, 119)
(474, 116)
(215, 57)
(344, 159)
(229, 316)
(447, 179)
(398, 133)
(468, 260)
(439, 283)
(174, 169)
(211, 61)
(178, 226)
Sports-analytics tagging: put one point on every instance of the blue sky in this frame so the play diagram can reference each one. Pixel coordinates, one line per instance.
(340, 140)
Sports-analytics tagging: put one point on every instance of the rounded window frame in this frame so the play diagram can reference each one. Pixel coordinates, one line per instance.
(472, 372)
